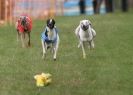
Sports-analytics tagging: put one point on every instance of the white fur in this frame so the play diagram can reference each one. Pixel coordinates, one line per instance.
(85, 36)
(54, 46)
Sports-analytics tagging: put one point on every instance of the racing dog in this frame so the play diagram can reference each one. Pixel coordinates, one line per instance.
(23, 27)
(50, 38)
(85, 33)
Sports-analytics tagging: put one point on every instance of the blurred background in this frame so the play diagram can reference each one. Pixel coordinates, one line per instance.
(42, 9)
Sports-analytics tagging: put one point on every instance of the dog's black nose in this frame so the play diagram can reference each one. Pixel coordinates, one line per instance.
(85, 27)
(51, 26)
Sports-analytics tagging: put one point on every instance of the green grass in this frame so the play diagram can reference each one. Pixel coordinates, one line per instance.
(107, 70)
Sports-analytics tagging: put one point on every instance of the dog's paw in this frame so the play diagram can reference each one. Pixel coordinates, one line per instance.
(54, 59)
(79, 46)
(84, 56)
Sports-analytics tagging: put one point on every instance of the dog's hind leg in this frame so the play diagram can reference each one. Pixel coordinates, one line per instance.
(44, 49)
(28, 38)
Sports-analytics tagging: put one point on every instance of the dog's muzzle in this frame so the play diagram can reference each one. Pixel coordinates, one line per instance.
(51, 26)
(85, 27)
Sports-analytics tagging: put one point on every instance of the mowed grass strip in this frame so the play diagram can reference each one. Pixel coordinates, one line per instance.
(107, 70)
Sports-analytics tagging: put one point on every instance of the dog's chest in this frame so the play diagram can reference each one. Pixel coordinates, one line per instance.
(85, 35)
(51, 34)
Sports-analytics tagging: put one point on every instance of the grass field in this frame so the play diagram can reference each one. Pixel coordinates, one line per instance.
(107, 70)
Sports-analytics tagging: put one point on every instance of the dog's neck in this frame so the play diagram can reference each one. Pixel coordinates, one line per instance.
(84, 30)
(50, 33)
(49, 28)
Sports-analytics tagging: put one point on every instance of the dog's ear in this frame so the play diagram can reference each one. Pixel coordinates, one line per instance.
(53, 21)
(81, 22)
(47, 21)
(23, 21)
(89, 22)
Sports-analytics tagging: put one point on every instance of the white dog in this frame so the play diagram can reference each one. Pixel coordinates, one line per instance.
(50, 38)
(85, 33)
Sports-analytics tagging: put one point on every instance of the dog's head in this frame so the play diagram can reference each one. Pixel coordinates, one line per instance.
(23, 20)
(51, 23)
(85, 24)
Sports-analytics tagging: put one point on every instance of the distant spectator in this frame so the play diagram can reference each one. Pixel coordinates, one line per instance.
(109, 5)
(99, 2)
(94, 5)
(97, 5)
(65, 0)
(82, 6)
(124, 5)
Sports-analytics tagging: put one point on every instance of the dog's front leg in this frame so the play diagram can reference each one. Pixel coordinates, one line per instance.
(83, 50)
(44, 49)
(22, 39)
